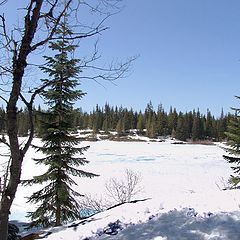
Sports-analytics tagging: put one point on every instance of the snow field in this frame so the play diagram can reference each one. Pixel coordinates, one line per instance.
(176, 178)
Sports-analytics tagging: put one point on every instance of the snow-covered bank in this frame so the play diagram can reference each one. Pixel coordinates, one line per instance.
(138, 221)
(176, 178)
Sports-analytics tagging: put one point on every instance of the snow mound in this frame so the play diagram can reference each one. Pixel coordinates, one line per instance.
(135, 221)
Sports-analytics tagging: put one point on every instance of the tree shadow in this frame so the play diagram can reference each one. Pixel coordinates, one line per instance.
(183, 225)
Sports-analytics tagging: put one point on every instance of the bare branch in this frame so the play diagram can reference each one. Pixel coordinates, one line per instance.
(3, 140)
(56, 23)
(5, 100)
(112, 73)
(3, 2)
(29, 106)
(4, 32)
(123, 190)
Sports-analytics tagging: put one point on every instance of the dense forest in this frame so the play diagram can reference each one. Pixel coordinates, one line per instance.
(191, 125)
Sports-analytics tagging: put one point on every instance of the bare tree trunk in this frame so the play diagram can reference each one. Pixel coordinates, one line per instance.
(15, 172)
(17, 154)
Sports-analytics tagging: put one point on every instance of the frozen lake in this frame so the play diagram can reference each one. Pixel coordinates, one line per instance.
(183, 175)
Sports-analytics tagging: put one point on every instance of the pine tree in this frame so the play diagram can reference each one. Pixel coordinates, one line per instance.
(140, 123)
(57, 200)
(152, 130)
(221, 127)
(97, 119)
(181, 130)
(107, 119)
(209, 131)
(233, 135)
(189, 123)
(172, 120)
(23, 122)
(119, 128)
(161, 121)
(197, 128)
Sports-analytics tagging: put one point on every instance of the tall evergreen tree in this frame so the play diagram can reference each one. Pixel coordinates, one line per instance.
(140, 123)
(57, 199)
(119, 127)
(233, 135)
(221, 127)
(23, 122)
(172, 120)
(209, 131)
(152, 129)
(181, 130)
(197, 128)
(161, 121)
(107, 118)
(97, 119)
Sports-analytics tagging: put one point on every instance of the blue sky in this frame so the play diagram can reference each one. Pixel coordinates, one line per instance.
(189, 55)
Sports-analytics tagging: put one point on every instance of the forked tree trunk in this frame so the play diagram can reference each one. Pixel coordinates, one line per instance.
(19, 63)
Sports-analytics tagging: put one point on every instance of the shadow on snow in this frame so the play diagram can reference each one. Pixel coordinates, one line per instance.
(183, 225)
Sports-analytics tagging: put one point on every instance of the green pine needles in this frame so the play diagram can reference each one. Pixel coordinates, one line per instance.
(57, 201)
(233, 148)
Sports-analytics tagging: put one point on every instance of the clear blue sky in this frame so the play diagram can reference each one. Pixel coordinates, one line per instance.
(189, 55)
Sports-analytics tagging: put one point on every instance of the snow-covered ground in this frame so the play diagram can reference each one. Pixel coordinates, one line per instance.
(182, 183)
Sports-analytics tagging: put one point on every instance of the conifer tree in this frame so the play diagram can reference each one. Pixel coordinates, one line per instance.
(152, 130)
(57, 199)
(209, 131)
(23, 123)
(140, 123)
(181, 130)
(221, 127)
(197, 128)
(107, 119)
(172, 120)
(233, 135)
(161, 121)
(119, 127)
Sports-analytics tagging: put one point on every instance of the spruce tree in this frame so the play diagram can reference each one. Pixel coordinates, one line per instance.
(161, 121)
(209, 126)
(181, 130)
(172, 120)
(233, 135)
(119, 128)
(140, 123)
(197, 128)
(221, 127)
(57, 201)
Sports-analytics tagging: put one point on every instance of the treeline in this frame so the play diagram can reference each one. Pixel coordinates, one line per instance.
(190, 125)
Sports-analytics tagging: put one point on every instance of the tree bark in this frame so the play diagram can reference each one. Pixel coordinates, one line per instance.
(17, 154)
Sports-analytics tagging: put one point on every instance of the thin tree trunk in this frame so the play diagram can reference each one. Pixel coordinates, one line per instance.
(58, 214)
